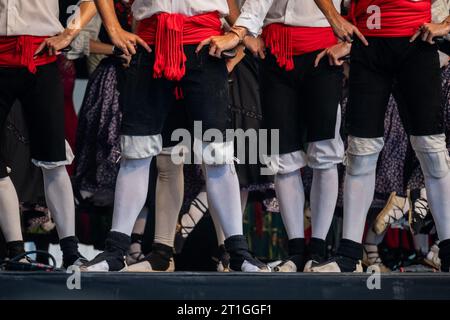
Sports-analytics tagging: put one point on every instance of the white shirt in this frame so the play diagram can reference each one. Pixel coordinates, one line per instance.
(300, 13)
(81, 44)
(146, 8)
(440, 10)
(30, 17)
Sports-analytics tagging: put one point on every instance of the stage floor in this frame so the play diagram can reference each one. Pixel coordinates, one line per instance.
(231, 286)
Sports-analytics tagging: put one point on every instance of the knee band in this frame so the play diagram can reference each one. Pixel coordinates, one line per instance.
(140, 147)
(433, 155)
(286, 163)
(362, 155)
(49, 165)
(215, 153)
(325, 154)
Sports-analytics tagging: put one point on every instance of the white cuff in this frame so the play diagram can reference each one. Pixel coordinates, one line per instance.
(429, 144)
(250, 22)
(214, 153)
(364, 146)
(54, 164)
(140, 147)
(285, 163)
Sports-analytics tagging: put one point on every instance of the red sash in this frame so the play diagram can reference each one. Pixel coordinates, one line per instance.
(285, 41)
(399, 18)
(18, 52)
(169, 32)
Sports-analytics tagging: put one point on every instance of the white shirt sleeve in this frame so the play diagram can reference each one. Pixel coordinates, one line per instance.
(440, 10)
(81, 44)
(253, 13)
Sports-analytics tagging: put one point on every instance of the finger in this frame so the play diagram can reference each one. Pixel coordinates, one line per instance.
(348, 38)
(341, 37)
(124, 48)
(50, 49)
(330, 60)
(54, 49)
(262, 53)
(254, 51)
(415, 36)
(425, 35)
(131, 48)
(40, 49)
(132, 41)
(218, 53)
(319, 57)
(229, 65)
(336, 60)
(202, 44)
(212, 50)
(360, 36)
(144, 44)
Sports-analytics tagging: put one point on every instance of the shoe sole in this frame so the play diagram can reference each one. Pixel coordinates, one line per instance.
(170, 269)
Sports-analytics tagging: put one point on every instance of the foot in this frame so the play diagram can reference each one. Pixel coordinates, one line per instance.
(317, 254)
(77, 260)
(420, 219)
(159, 260)
(71, 255)
(432, 257)
(391, 214)
(293, 263)
(348, 258)
(135, 253)
(339, 264)
(240, 257)
(113, 258)
(296, 260)
(134, 257)
(313, 262)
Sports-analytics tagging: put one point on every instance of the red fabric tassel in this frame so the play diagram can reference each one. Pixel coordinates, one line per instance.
(169, 33)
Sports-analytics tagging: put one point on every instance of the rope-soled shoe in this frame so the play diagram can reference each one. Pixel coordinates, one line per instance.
(347, 259)
(240, 257)
(159, 260)
(296, 260)
(113, 258)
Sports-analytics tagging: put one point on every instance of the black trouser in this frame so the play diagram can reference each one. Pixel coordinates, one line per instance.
(415, 69)
(42, 99)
